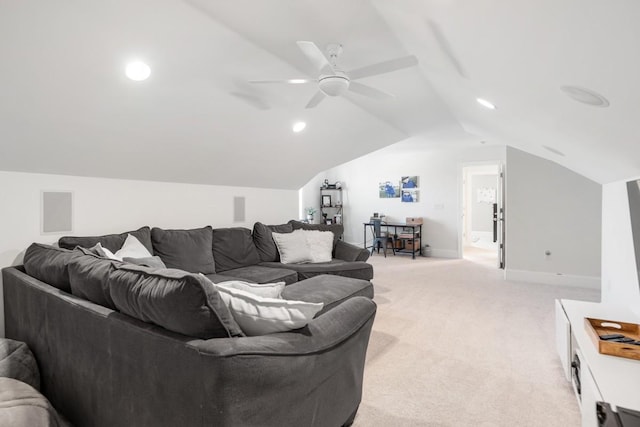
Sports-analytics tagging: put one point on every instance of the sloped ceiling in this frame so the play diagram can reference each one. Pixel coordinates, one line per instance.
(66, 106)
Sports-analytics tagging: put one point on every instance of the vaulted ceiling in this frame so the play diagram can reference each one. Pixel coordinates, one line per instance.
(66, 106)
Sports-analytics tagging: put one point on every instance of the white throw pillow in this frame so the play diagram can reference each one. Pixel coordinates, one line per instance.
(132, 248)
(264, 290)
(304, 246)
(259, 316)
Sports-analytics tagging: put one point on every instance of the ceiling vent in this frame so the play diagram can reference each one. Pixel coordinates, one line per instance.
(585, 96)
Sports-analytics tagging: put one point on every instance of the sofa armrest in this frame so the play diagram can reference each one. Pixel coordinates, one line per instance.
(348, 252)
(322, 333)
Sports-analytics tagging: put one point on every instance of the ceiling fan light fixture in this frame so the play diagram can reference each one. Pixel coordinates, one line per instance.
(333, 85)
(486, 104)
(297, 81)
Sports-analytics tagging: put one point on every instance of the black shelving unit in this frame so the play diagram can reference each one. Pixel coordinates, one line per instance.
(331, 206)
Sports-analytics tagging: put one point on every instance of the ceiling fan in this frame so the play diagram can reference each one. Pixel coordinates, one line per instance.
(334, 82)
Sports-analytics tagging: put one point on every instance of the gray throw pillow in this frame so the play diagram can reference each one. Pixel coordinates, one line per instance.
(189, 250)
(113, 242)
(174, 299)
(233, 248)
(151, 262)
(49, 264)
(263, 239)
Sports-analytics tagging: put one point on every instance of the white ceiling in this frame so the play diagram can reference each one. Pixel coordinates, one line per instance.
(66, 106)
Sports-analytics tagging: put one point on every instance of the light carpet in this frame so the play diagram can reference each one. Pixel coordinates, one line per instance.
(454, 344)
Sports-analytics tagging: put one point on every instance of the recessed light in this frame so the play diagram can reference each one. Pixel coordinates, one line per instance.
(586, 96)
(486, 103)
(299, 126)
(137, 71)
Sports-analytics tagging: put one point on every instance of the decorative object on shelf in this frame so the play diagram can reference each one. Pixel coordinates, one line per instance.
(326, 200)
(409, 182)
(310, 213)
(325, 184)
(389, 190)
(338, 184)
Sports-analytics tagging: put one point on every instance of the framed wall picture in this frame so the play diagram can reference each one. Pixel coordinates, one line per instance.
(389, 190)
(326, 200)
(409, 182)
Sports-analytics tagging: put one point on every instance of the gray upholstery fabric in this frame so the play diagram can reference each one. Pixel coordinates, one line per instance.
(174, 299)
(264, 274)
(153, 262)
(114, 370)
(17, 362)
(89, 278)
(233, 248)
(328, 289)
(348, 252)
(49, 264)
(263, 239)
(113, 242)
(336, 229)
(217, 278)
(355, 269)
(189, 250)
(22, 406)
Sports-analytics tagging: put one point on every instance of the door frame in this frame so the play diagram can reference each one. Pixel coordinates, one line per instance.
(462, 176)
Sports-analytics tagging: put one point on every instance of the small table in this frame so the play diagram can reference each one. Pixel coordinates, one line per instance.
(415, 235)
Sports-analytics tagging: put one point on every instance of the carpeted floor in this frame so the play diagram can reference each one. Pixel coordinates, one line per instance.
(454, 344)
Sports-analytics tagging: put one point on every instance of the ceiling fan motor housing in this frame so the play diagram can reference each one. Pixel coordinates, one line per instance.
(334, 85)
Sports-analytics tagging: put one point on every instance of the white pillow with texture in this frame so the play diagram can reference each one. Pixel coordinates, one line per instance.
(304, 246)
(265, 290)
(132, 248)
(260, 316)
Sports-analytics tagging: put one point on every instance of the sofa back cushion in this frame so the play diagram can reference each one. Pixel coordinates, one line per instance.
(113, 242)
(174, 299)
(89, 278)
(189, 250)
(49, 264)
(336, 229)
(233, 248)
(263, 240)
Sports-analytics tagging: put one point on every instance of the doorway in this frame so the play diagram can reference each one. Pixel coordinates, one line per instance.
(481, 237)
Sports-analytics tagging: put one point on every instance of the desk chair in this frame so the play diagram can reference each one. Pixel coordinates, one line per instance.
(382, 238)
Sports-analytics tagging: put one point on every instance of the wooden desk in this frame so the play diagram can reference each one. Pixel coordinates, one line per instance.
(415, 236)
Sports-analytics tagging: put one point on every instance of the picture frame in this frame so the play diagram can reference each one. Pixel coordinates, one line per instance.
(328, 221)
(326, 200)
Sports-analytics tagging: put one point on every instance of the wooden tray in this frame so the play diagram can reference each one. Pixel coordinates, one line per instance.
(597, 327)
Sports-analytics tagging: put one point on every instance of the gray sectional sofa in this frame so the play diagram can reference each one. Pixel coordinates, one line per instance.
(120, 344)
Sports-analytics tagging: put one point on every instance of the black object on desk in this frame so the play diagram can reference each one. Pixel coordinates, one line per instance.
(409, 233)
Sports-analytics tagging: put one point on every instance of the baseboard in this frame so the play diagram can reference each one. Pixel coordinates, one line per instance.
(553, 278)
(444, 253)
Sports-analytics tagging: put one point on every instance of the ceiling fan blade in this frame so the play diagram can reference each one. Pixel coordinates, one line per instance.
(315, 55)
(368, 91)
(319, 96)
(383, 67)
(288, 81)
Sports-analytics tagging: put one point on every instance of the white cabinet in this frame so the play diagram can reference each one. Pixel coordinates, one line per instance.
(595, 377)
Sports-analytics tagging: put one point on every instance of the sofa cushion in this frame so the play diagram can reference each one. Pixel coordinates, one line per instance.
(23, 406)
(328, 289)
(265, 290)
(264, 241)
(89, 278)
(113, 242)
(174, 299)
(336, 229)
(233, 248)
(259, 315)
(302, 246)
(189, 250)
(153, 262)
(49, 264)
(262, 274)
(355, 269)
(17, 362)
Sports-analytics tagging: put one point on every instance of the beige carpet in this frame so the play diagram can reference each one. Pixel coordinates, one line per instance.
(454, 344)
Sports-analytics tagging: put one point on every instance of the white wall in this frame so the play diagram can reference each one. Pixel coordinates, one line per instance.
(619, 271)
(549, 207)
(439, 172)
(104, 206)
